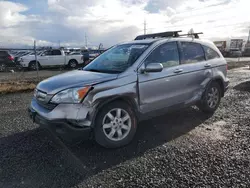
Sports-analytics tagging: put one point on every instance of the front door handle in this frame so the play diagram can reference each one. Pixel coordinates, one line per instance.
(207, 65)
(178, 70)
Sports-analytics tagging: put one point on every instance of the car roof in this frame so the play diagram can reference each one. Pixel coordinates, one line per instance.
(169, 39)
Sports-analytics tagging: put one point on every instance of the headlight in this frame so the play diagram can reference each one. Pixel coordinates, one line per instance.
(73, 95)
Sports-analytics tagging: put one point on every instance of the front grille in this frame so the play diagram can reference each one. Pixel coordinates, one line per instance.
(40, 95)
(48, 106)
(43, 100)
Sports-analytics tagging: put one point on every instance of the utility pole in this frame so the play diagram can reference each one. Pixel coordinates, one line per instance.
(248, 37)
(37, 75)
(59, 43)
(86, 42)
(145, 26)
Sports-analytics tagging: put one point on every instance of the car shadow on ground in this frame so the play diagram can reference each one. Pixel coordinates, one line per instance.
(244, 86)
(150, 134)
(37, 158)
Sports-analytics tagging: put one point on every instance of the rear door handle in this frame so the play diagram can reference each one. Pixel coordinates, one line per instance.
(207, 65)
(178, 70)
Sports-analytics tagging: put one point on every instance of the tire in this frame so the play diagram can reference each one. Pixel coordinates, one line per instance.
(32, 66)
(211, 98)
(73, 64)
(3, 67)
(126, 129)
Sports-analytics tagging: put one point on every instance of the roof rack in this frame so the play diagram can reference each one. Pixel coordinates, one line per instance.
(167, 34)
(159, 35)
(196, 35)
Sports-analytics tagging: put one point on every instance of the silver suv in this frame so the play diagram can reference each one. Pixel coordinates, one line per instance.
(128, 83)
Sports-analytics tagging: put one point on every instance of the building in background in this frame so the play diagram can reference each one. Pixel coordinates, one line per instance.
(222, 46)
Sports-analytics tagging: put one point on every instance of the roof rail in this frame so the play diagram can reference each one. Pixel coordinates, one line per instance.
(159, 35)
(167, 34)
(196, 35)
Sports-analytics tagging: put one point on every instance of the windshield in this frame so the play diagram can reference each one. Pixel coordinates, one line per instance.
(117, 59)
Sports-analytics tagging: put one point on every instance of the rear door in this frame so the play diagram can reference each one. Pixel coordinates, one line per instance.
(197, 70)
(58, 58)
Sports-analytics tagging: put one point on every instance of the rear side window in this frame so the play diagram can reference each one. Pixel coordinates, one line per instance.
(191, 53)
(210, 53)
(166, 54)
(56, 52)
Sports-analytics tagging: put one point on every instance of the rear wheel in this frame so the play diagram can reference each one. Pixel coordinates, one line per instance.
(73, 63)
(115, 125)
(211, 98)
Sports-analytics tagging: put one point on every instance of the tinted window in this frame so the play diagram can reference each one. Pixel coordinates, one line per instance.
(191, 53)
(48, 53)
(56, 52)
(166, 54)
(210, 53)
(3, 53)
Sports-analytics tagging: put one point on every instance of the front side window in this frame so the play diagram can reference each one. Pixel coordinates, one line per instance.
(117, 59)
(210, 53)
(191, 52)
(48, 53)
(166, 54)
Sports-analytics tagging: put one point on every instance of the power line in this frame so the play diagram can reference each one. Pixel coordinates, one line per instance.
(226, 25)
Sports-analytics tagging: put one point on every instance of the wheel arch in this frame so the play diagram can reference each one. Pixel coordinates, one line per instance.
(126, 99)
(73, 60)
(221, 84)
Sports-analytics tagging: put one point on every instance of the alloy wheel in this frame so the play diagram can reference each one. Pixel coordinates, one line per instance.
(213, 97)
(116, 124)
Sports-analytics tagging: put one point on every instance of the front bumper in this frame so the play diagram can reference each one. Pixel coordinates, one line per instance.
(63, 120)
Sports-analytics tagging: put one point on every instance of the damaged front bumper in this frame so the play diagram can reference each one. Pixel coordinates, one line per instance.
(68, 121)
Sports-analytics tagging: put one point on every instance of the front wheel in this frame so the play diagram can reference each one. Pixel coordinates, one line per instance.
(211, 98)
(116, 125)
(32, 66)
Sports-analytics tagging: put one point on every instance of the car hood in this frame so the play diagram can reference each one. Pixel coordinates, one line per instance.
(77, 78)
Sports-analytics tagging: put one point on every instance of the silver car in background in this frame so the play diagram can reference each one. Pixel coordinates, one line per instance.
(128, 83)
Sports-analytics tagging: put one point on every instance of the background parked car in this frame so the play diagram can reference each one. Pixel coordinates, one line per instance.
(51, 58)
(235, 53)
(6, 61)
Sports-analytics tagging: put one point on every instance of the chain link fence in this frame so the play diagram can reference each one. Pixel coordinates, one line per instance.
(35, 63)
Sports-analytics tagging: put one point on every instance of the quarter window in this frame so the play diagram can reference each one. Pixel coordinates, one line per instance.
(166, 54)
(191, 53)
(210, 53)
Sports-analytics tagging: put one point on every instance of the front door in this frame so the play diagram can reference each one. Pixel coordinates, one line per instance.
(45, 58)
(58, 58)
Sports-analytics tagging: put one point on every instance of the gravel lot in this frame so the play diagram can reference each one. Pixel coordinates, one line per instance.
(179, 149)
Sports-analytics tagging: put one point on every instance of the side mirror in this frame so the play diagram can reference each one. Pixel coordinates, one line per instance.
(153, 67)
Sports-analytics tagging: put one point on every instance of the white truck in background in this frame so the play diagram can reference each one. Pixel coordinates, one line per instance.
(51, 58)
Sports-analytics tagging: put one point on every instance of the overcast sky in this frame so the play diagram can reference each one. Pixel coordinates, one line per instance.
(113, 21)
